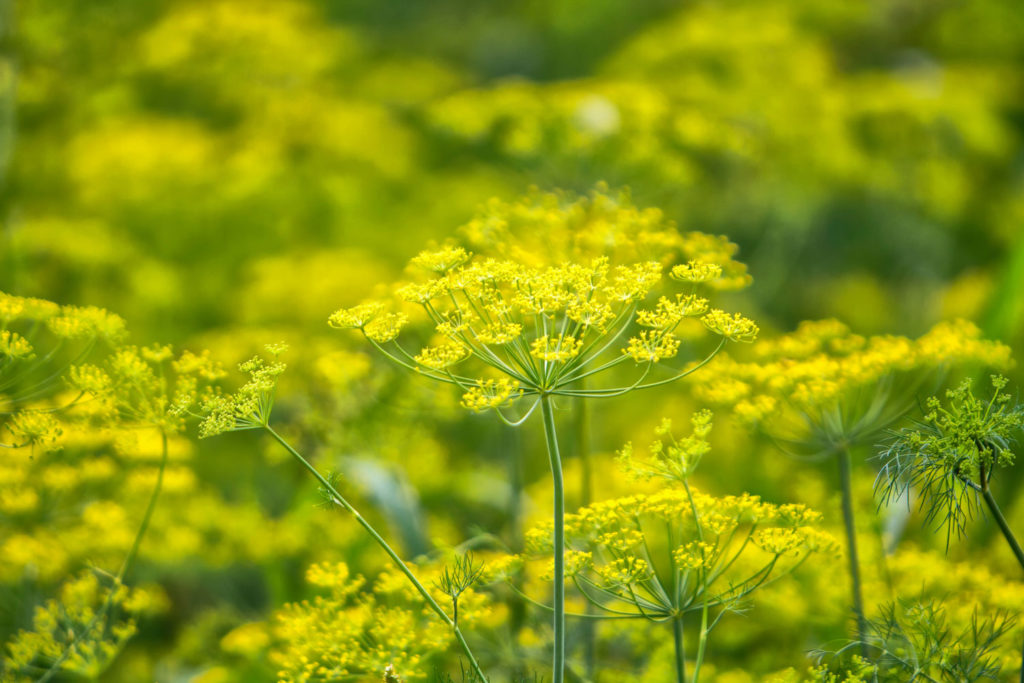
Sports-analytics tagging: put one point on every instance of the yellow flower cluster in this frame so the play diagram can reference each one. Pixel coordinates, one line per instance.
(670, 458)
(35, 428)
(95, 619)
(616, 546)
(556, 282)
(39, 339)
(820, 364)
(354, 629)
(549, 228)
(250, 406)
(146, 385)
(490, 393)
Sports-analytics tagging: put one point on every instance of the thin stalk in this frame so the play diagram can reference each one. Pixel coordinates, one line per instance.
(398, 562)
(677, 634)
(589, 627)
(846, 487)
(126, 565)
(702, 644)
(558, 665)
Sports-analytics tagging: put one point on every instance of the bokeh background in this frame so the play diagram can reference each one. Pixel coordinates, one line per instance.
(225, 174)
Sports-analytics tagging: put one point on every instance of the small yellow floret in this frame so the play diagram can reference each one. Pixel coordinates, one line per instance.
(733, 327)
(490, 393)
(557, 349)
(697, 271)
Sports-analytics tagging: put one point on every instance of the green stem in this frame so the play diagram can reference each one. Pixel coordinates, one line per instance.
(702, 644)
(1011, 539)
(398, 562)
(589, 626)
(677, 635)
(558, 670)
(1008, 534)
(126, 565)
(846, 487)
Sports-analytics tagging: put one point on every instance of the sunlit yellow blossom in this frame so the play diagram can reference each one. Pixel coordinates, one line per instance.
(697, 271)
(385, 327)
(734, 327)
(651, 346)
(15, 346)
(443, 356)
(356, 317)
(490, 394)
(558, 349)
(443, 260)
(36, 428)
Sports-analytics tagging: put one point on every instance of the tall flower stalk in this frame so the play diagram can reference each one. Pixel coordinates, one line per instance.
(536, 333)
(671, 555)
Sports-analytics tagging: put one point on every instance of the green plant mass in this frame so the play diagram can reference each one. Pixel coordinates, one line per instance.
(461, 342)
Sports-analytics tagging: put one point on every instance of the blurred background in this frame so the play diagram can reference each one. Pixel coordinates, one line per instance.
(225, 174)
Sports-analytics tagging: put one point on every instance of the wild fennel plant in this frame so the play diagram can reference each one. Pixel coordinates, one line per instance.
(677, 552)
(536, 333)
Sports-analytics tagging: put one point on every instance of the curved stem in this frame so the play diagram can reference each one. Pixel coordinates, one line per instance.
(846, 487)
(677, 633)
(398, 562)
(558, 667)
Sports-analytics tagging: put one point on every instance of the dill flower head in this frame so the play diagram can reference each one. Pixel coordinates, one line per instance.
(250, 406)
(147, 386)
(40, 340)
(677, 550)
(824, 385)
(75, 629)
(357, 628)
(512, 322)
(664, 554)
(549, 228)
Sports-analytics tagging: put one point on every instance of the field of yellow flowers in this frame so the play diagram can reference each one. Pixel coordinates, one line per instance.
(457, 342)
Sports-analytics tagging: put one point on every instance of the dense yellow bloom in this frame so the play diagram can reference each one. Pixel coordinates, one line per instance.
(250, 406)
(36, 428)
(733, 327)
(490, 394)
(616, 545)
(557, 350)
(13, 345)
(551, 228)
(147, 386)
(354, 629)
(545, 309)
(823, 364)
(97, 619)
